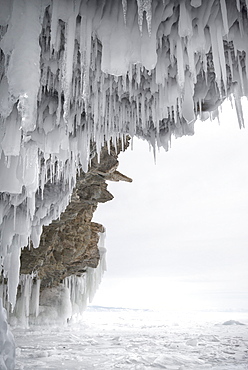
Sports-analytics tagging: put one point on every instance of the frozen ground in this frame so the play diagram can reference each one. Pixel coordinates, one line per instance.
(139, 340)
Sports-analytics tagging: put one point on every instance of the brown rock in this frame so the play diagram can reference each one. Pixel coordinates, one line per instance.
(69, 245)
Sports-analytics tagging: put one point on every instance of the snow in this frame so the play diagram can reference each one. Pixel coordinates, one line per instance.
(110, 338)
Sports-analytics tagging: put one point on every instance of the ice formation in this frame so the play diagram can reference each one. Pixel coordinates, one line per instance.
(7, 346)
(59, 303)
(77, 72)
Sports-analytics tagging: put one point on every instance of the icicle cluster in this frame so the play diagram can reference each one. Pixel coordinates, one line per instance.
(57, 303)
(76, 72)
(83, 288)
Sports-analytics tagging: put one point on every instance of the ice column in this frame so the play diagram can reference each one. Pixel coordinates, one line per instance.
(83, 288)
(7, 345)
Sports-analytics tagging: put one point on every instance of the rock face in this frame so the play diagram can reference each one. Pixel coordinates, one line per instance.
(69, 245)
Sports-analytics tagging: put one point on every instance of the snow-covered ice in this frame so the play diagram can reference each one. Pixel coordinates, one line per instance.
(137, 339)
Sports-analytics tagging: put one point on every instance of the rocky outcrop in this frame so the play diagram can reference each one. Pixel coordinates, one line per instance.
(69, 245)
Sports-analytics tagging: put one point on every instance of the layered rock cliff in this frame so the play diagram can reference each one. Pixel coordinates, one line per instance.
(70, 244)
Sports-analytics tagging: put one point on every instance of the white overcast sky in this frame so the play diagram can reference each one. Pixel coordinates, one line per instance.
(178, 235)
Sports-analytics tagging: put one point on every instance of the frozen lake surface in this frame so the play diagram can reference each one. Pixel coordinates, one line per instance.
(139, 340)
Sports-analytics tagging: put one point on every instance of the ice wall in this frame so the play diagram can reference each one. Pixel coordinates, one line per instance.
(77, 72)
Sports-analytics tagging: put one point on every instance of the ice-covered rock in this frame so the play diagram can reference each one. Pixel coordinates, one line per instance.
(232, 322)
(69, 245)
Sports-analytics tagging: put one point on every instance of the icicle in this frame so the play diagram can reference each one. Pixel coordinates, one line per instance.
(7, 344)
(238, 105)
(148, 9)
(54, 23)
(13, 273)
(191, 56)
(222, 60)
(238, 5)
(23, 71)
(145, 6)
(184, 22)
(130, 76)
(230, 63)
(138, 67)
(213, 32)
(69, 55)
(188, 103)
(180, 65)
(34, 304)
(124, 7)
(241, 81)
(224, 15)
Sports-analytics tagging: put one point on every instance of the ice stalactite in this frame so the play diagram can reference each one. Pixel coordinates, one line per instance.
(83, 288)
(77, 291)
(7, 345)
(27, 304)
(81, 72)
(58, 303)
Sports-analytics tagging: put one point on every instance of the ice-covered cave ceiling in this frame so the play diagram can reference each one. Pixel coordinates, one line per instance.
(74, 73)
